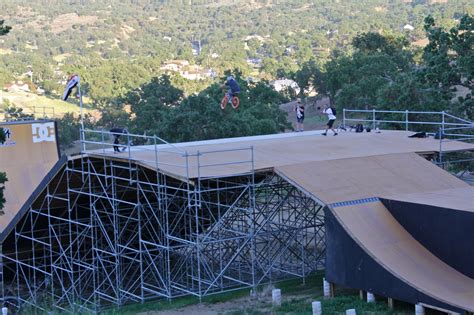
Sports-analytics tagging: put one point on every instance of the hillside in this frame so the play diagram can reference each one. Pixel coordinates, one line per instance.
(54, 37)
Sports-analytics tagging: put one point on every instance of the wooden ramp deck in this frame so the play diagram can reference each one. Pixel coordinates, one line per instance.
(228, 157)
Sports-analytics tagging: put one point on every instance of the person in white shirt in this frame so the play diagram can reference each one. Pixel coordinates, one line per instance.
(332, 118)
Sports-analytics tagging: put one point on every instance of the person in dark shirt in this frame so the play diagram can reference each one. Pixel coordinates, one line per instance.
(117, 132)
(299, 109)
(233, 87)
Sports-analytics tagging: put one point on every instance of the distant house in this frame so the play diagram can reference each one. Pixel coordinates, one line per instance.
(283, 84)
(408, 27)
(256, 37)
(170, 67)
(196, 72)
(18, 86)
(192, 75)
(255, 62)
(175, 65)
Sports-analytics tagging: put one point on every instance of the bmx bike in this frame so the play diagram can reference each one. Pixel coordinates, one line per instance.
(235, 101)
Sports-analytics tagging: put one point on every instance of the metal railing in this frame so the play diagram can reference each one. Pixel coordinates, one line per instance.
(443, 126)
(134, 145)
(438, 119)
(463, 134)
(29, 113)
(42, 111)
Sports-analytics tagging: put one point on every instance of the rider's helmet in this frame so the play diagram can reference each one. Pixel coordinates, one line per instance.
(230, 78)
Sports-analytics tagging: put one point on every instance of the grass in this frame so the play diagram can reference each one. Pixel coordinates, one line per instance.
(297, 298)
(30, 100)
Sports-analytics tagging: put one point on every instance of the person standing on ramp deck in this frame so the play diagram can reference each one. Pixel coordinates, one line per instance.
(299, 109)
(331, 112)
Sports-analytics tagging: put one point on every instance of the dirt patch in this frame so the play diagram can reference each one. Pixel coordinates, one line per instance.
(421, 42)
(61, 57)
(126, 30)
(261, 303)
(5, 51)
(65, 22)
(461, 91)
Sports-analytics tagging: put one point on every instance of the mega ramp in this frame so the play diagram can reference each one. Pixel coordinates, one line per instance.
(29, 152)
(366, 247)
(377, 254)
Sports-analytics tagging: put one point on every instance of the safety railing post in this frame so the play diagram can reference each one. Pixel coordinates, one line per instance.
(82, 138)
(442, 122)
(128, 147)
(102, 140)
(156, 151)
(344, 117)
(373, 118)
(440, 133)
(406, 120)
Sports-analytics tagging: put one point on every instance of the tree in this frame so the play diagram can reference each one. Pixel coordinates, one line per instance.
(150, 101)
(448, 61)
(306, 76)
(69, 128)
(13, 113)
(3, 179)
(113, 114)
(161, 110)
(2, 136)
(4, 29)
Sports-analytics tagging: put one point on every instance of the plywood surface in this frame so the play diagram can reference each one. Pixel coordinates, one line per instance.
(373, 227)
(372, 176)
(25, 162)
(455, 198)
(273, 151)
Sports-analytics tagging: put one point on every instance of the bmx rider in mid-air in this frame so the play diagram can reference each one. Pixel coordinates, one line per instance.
(232, 94)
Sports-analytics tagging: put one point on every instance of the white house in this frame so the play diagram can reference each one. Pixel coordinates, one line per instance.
(17, 87)
(282, 84)
(408, 27)
(175, 65)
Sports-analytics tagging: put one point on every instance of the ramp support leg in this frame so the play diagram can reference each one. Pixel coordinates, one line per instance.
(391, 303)
(419, 309)
(332, 290)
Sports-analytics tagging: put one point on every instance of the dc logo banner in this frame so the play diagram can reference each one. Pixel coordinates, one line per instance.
(43, 132)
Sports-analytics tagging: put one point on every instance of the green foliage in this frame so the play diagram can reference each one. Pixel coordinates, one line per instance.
(160, 108)
(3, 179)
(354, 80)
(116, 51)
(113, 114)
(199, 117)
(4, 29)
(2, 136)
(69, 127)
(382, 73)
(150, 102)
(13, 113)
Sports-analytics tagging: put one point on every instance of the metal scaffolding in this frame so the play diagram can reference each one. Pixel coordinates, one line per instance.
(106, 232)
